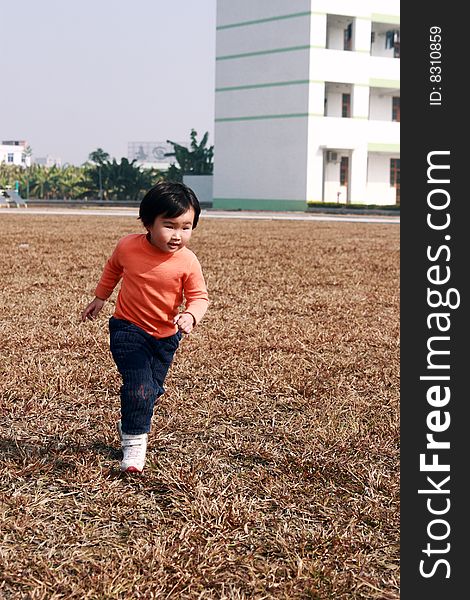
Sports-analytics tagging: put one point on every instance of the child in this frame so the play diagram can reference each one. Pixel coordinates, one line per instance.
(158, 273)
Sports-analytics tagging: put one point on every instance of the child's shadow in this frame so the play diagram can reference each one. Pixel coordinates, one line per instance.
(52, 454)
(107, 451)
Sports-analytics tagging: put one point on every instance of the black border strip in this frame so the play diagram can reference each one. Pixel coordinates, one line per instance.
(434, 255)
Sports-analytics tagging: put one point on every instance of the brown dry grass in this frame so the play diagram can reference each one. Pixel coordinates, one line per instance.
(273, 465)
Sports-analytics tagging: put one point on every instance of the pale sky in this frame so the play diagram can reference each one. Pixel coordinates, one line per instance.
(81, 74)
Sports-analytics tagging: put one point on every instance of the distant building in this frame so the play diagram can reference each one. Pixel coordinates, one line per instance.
(151, 154)
(15, 152)
(48, 161)
(307, 103)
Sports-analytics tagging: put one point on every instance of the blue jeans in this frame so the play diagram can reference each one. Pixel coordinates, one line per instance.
(143, 362)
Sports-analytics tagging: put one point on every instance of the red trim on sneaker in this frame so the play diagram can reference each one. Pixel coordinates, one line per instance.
(132, 470)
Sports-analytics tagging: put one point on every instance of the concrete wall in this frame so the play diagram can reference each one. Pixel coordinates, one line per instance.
(262, 103)
(202, 186)
(379, 190)
(380, 108)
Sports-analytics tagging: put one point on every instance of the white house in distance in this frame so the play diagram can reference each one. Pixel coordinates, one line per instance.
(15, 152)
(307, 103)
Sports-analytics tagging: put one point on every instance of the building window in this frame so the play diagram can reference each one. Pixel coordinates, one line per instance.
(395, 176)
(396, 108)
(392, 40)
(346, 105)
(394, 171)
(348, 37)
(10, 157)
(344, 171)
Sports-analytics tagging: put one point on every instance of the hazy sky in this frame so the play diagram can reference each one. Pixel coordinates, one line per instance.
(81, 74)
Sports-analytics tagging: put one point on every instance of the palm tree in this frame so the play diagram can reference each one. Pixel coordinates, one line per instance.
(28, 152)
(72, 181)
(100, 158)
(122, 180)
(129, 181)
(197, 160)
(54, 181)
(38, 183)
(9, 174)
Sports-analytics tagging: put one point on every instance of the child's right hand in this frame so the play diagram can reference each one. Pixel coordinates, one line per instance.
(92, 309)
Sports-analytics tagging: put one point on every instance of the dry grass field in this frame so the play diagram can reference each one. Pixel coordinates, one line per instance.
(273, 463)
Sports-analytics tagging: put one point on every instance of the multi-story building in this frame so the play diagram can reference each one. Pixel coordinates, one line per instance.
(307, 103)
(15, 152)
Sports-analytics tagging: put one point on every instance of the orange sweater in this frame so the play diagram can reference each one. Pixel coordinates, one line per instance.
(154, 285)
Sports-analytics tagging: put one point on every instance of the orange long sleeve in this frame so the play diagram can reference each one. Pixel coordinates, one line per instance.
(154, 285)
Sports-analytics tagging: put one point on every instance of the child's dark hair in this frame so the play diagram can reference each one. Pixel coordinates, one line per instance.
(169, 199)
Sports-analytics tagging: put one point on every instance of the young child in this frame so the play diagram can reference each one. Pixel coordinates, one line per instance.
(158, 274)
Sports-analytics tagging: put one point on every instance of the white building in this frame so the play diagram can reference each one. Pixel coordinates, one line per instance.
(152, 154)
(307, 103)
(48, 161)
(15, 152)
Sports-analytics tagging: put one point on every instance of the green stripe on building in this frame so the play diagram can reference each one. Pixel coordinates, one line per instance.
(262, 52)
(258, 117)
(259, 204)
(254, 86)
(265, 20)
(263, 85)
(283, 116)
(377, 17)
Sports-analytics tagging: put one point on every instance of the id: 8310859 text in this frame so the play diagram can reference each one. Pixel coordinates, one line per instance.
(435, 65)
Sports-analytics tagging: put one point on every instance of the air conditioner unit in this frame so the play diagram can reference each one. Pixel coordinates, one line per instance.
(331, 156)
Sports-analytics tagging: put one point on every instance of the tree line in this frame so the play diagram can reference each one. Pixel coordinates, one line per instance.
(105, 178)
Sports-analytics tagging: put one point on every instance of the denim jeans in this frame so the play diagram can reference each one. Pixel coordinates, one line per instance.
(143, 362)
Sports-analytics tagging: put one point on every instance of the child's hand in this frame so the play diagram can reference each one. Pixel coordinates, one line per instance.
(92, 309)
(185, 322)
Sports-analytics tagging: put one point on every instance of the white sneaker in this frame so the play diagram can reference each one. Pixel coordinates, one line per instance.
(134, 448)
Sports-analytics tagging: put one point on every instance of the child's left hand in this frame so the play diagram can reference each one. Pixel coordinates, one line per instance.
(185, 322)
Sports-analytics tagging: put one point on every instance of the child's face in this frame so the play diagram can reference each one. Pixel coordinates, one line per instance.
(170, 234)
